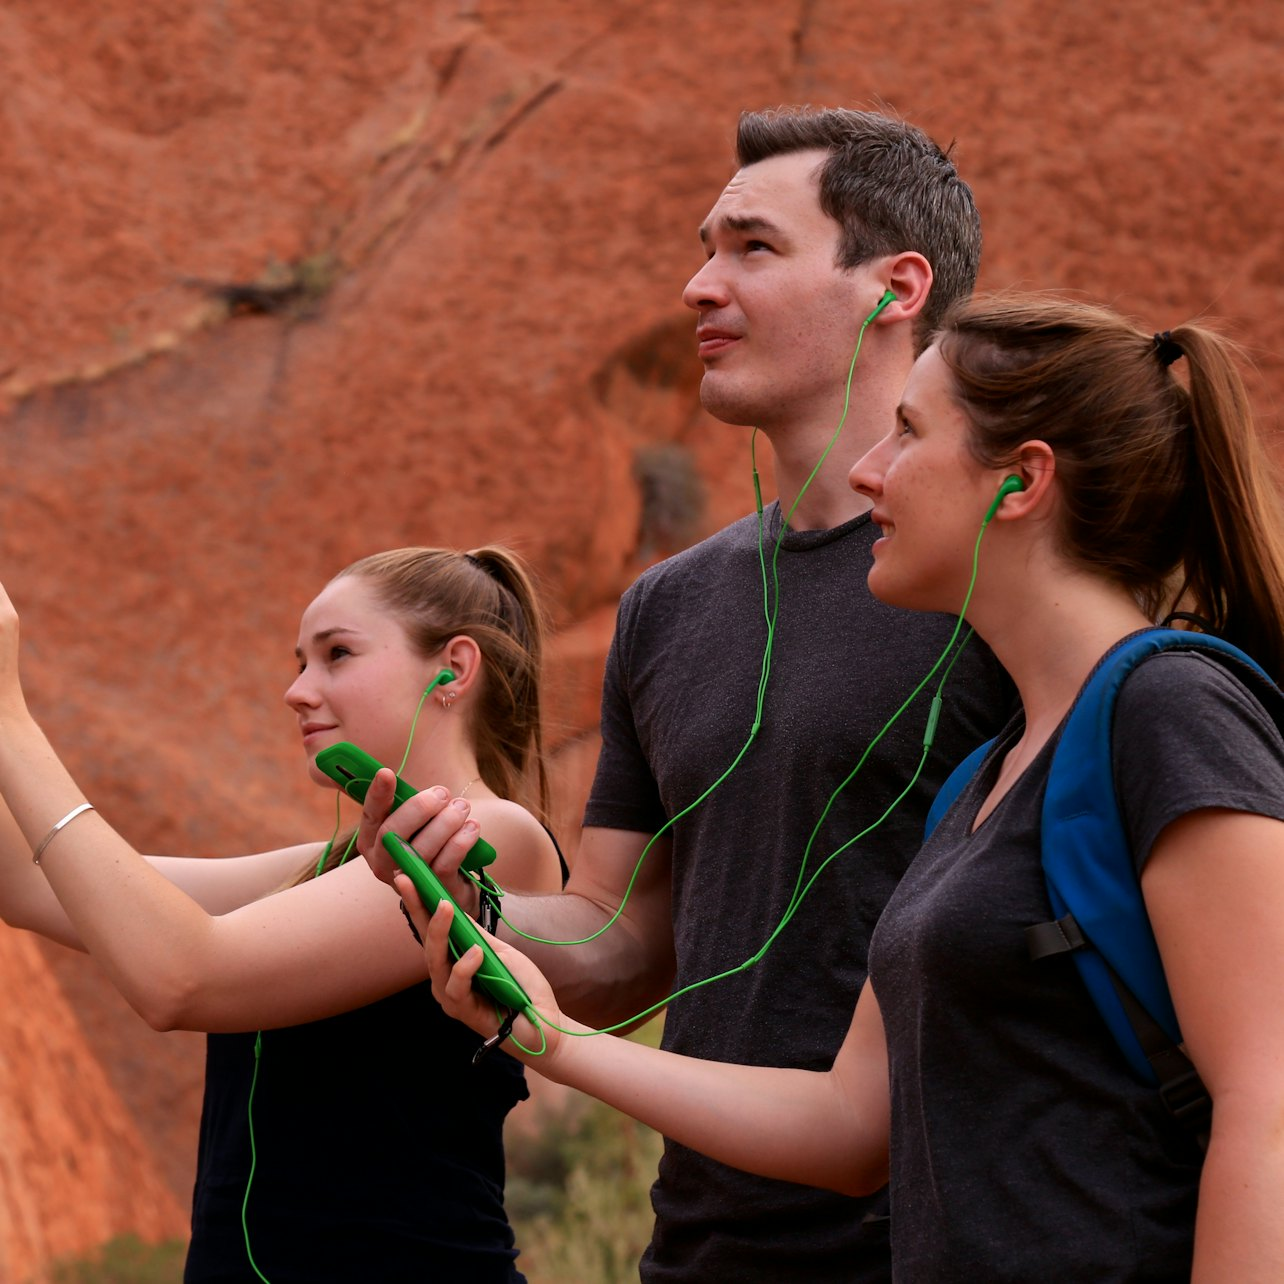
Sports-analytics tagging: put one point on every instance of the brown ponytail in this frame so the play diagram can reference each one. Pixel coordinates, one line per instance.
(1165, 490)
(1233, 557)
(508, 729)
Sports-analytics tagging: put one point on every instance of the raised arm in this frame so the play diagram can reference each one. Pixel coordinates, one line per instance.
(314, 950)
(1214, 888)
(218, 885)
(822, 1129)
(323, 947)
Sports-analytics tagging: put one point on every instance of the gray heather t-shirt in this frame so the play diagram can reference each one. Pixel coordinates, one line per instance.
(677, 706)
(1023, 1147)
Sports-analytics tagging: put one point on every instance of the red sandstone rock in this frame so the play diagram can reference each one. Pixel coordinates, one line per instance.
(466, 227)
(74, 1167)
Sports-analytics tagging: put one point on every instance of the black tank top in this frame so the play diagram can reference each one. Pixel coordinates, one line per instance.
(379, 1152)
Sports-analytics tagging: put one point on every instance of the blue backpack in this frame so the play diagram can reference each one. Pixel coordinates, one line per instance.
(1092, 882)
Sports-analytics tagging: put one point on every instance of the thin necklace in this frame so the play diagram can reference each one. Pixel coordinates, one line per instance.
(463, 793)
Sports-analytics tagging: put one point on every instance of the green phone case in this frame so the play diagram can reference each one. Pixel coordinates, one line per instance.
(492, 976)
(353, 769)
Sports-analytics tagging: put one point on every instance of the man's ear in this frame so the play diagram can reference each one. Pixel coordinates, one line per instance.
(908, 276)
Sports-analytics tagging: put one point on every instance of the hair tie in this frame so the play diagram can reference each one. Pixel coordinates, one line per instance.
(1167, 349)
(510, 605)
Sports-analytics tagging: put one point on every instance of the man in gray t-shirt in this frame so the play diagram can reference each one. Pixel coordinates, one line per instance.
(837, 224)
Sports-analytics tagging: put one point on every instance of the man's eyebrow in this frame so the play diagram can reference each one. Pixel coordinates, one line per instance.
(742, 223)
(324, 636)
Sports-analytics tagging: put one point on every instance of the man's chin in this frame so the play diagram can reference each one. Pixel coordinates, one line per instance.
(724, 401)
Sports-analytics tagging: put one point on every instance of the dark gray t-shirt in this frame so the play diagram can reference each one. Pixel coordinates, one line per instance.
(1023, 1147)
(677, 706)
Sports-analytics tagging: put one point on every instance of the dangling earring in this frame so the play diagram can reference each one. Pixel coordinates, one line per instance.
(448, 698)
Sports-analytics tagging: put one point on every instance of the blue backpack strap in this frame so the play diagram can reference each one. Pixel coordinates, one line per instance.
(953, 786)
(1087, 863)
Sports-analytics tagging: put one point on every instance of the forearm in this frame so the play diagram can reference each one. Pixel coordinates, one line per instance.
(794, 1125)
(827, 1129)
(1239, 1232)
(141, 929)
(26, 899)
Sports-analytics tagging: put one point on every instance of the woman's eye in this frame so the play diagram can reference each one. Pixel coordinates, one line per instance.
(337, 653)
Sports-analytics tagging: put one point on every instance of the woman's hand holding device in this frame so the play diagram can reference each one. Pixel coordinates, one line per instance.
(436, 825)
(473, 1004)
(432, 824)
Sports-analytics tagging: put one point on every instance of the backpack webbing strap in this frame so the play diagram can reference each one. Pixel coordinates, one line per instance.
(1088, 869)
(1180, 1087)
(1058, 937)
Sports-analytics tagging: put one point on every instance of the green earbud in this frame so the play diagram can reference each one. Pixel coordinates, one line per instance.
(446, 675)
(1010, 486)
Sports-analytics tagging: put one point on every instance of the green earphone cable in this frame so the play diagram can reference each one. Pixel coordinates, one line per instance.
(929, 735)
(245, 1202)
(800, 890)
(352, 842)
(771, 607)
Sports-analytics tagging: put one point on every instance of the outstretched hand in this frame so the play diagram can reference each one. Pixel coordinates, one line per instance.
(452, 983)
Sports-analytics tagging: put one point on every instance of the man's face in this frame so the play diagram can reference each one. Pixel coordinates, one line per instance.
(778, 317)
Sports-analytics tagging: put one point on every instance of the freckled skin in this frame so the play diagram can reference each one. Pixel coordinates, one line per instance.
(929, 496)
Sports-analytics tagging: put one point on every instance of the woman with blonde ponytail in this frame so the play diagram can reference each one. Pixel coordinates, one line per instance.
(1117, 477)
(347, 1135)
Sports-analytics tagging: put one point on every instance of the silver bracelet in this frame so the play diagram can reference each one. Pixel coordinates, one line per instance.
(62, 824)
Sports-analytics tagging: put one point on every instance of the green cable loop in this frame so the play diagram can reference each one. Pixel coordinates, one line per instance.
(352, 842)
(771, 609)
(801, 890)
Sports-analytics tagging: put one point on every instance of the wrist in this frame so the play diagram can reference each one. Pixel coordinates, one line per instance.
(15, 717)
(25, 751)
(562, 1050)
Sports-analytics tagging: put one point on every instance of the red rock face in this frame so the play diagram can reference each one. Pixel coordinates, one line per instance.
(287, 284)
(77, 1166)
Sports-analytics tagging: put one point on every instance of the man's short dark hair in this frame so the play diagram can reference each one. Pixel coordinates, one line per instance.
(888, 186)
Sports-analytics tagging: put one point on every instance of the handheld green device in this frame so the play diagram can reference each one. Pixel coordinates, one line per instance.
(353, 769)
(493, 977)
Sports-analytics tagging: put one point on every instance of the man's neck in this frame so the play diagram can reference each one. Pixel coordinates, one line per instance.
(828, 499)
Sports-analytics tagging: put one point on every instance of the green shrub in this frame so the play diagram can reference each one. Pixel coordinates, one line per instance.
(578, 1191)
(578, 1196)
(124, 1260)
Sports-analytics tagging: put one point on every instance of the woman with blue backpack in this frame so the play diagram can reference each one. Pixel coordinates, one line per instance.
(1066, 480)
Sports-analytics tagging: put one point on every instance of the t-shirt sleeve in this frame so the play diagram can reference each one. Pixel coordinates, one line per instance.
(624, 793)
(1188, 735)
